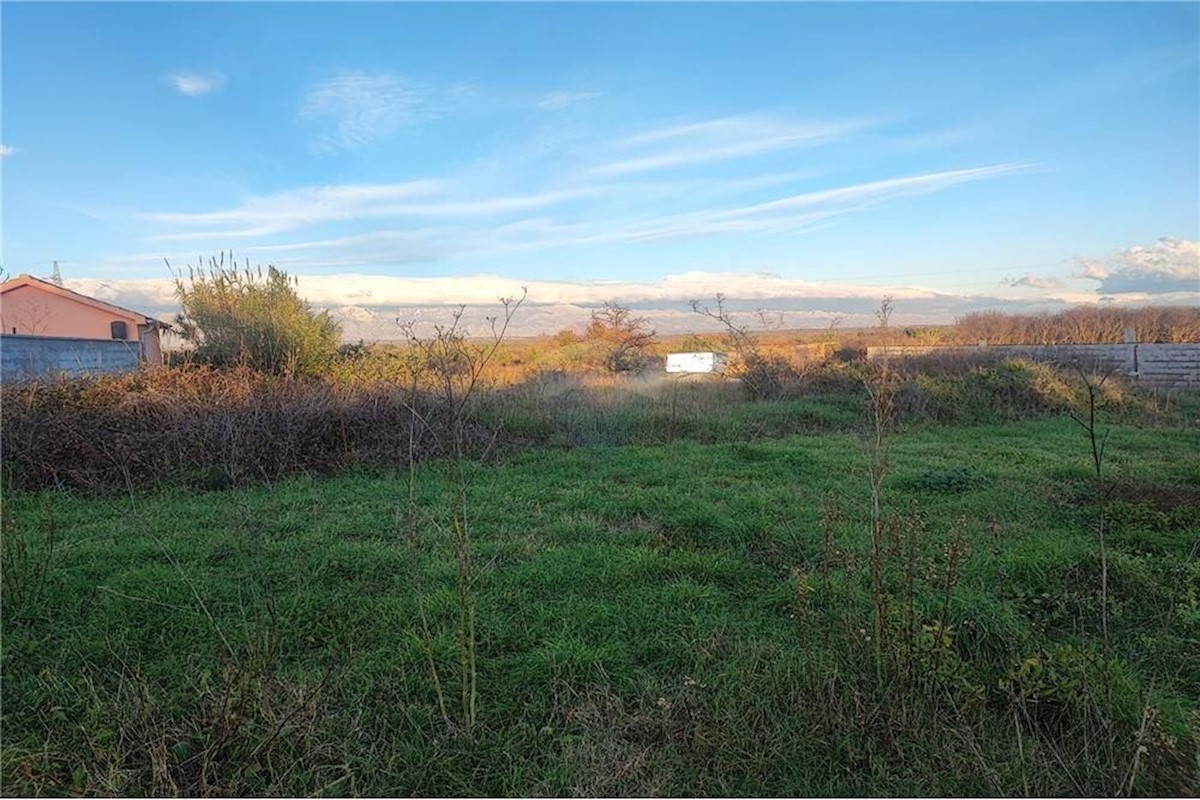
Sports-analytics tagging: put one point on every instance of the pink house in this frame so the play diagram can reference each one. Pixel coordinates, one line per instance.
(30, 306)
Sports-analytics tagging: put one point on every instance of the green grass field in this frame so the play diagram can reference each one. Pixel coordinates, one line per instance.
(678, 619)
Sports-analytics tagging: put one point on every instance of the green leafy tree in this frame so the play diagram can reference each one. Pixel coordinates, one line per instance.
(244, 317)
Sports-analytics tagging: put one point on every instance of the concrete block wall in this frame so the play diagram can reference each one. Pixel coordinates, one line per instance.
(1170, 366)
(28, 357)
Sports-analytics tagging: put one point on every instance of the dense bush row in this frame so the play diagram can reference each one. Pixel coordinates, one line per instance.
(209, 428)
(204, 427)
(1003, 390)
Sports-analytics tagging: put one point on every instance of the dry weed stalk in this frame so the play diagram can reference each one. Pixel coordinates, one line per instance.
(880, 394)
(452, 366)
(1098, 444)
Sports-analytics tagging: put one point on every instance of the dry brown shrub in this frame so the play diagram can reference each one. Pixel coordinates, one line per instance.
(204, 427)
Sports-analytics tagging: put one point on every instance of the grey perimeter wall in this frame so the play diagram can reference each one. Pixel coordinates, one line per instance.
(1169, 366)
(27, 357)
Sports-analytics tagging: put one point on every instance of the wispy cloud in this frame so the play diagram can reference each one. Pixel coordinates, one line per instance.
(723, 126)
(493, 224)
(554, 101)
(358, 108)
(286, 211)
(1032, 282)
(276, 213)
(574, 202)
(194, 84)
(876, 191)
(718, 140)
(6, 151)
(802, 210)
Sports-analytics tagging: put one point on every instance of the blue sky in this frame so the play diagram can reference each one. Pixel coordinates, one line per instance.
(800, 157)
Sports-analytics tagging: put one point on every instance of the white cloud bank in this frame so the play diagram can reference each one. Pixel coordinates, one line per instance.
(369, 304)
(360, 289)
(6, 151)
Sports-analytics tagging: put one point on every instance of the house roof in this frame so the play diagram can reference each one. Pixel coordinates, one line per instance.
(62, 291)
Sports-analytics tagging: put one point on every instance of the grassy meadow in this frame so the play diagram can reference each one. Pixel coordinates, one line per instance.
(671, 593)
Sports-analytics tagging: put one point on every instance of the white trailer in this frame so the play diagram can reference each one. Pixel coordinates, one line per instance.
(696, 363)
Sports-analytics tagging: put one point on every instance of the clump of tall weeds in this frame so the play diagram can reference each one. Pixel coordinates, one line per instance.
(242, 729)
(26, 564)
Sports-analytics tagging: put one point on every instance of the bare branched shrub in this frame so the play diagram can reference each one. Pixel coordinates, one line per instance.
(765, 376)
(624, 339)
(1087, 419)
(1098, 442)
